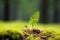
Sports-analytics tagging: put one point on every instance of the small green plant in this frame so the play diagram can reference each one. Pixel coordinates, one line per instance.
(34, 18)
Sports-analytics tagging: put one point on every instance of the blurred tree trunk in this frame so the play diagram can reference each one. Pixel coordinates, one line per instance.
(43, 11)
(59, 9)
(14, 8)
(11, 10)
(56, 12)
(6, 10)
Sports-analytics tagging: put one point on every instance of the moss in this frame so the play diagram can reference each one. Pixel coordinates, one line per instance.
(9, 35)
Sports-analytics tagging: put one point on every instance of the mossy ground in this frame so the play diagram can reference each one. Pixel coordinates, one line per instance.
(18, 26)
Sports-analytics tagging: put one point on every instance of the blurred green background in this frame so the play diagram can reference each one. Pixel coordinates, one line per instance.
(19, 9)
(23, 9)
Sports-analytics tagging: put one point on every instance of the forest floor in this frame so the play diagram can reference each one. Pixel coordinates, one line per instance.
(19, 26)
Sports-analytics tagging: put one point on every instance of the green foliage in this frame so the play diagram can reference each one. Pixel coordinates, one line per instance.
(34, 18)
